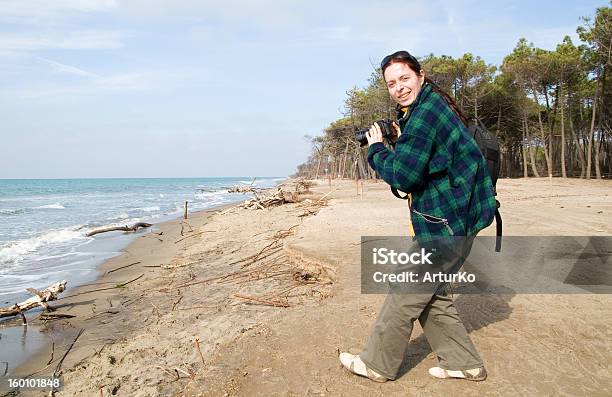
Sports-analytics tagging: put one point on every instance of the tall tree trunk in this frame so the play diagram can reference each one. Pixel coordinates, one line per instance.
(501, 152)
(579, 148)
(592, 133)
(547, 156)
(524, 148)
(525, 161)
(534, 168)
(318, 166)
(560, 98)
(599, 126)
(345, 156)
(362, 170)
(597, 151)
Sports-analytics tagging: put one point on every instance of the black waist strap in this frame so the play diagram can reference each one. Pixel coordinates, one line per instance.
(498, 228)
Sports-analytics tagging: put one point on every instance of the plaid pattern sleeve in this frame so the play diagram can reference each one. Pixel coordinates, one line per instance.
(405, 168)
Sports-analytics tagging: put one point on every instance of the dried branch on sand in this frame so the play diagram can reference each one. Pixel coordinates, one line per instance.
(40, 298)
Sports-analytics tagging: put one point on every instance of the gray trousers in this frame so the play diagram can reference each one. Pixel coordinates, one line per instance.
(444, 330)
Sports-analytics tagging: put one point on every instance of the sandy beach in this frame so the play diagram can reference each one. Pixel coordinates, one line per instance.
(259, 302)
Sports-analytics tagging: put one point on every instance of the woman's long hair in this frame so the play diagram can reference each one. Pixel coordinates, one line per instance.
(406, 58)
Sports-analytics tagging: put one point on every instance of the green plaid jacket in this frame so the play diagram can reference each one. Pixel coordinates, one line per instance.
(439, 163)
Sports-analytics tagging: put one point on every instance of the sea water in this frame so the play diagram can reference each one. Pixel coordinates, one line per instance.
(43, 222)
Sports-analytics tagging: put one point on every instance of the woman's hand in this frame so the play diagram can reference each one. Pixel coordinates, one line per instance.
(397, 129)
(374, 134)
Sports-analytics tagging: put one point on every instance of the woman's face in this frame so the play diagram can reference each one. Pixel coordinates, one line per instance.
(403, 83)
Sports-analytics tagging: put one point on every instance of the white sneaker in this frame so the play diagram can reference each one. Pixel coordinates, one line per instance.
(476, 374)
(354, 364)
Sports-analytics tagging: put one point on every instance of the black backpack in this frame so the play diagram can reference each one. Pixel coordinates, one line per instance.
(489, 147)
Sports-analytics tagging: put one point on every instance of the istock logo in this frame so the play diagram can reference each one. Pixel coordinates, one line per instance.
(384, 256)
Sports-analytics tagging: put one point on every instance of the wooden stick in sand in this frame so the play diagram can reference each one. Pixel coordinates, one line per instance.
(197, 341)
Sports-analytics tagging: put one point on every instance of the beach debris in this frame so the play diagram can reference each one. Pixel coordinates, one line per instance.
(59, 364)
(280, 234)
(122, 267)
(243, 188)
(126, 228)
(119, 285)
(263, 199)
(40, 298)
(184, 222)
(54, 316)
(197, 342)
(177, 372)
(102, 312)
(271, 199)
(311, 207)
(193, 235)
(264, 301)
(303, 186)
(179, 265)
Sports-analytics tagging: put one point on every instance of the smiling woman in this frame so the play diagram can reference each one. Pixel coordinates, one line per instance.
(450, 193)
(403, 83)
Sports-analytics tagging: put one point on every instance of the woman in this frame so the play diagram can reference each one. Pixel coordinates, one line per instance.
(451, 194)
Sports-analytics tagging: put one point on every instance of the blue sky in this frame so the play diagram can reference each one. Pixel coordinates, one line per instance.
(135, 88)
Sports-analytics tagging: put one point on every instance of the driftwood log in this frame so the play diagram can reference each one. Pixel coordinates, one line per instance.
(40, 298)
(132, 228)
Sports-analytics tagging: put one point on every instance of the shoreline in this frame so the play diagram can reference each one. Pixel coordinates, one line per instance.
(103, 266)
(196, 329)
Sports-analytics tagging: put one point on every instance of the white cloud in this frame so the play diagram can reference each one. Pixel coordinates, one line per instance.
(92, 85)
(63, 68)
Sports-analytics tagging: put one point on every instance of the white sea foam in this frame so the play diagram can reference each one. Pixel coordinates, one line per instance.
(15, 251)
(149, 209)
(55, 206)
(208, 195)
(12, 211)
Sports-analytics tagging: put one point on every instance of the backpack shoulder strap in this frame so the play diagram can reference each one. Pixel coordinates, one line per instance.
(397, 194)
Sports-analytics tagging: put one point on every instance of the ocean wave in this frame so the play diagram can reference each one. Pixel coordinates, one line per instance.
(13, 211)
(148, 209)
(207, 195)
(121, 216)
(15, 251)
(55, 206)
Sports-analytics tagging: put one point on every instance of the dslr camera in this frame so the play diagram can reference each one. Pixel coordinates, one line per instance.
(386, 127)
